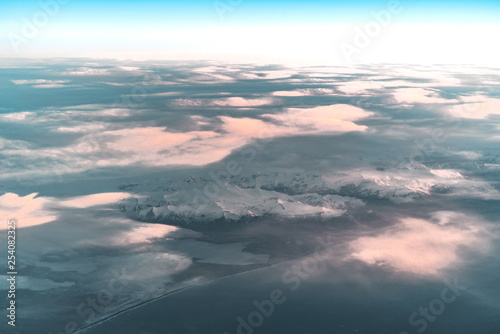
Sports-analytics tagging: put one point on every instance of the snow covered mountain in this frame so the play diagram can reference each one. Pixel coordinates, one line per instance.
(290, 193)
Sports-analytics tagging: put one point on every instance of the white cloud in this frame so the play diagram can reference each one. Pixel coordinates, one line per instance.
(294, 121)
(85, 128)
(476, 107)
(117, 71)
(157, 146)
(226, 102)
(144, 233)
(31, 210)
(289, 93)
(93, 200)
(209, 78)
(21, 117)
(39, 82)
(87, 71)
(305, 92)
(68, 114)
(43, 83)
(27, 211)
(419, 95)
(420, 246)
(471, 155)
(322, 115)
(359, 87)
(266, 75)
(50, 86)
(364, 86)
(447, 173)
(435, 74)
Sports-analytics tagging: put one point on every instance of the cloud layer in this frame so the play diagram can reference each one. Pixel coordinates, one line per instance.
(423, 247)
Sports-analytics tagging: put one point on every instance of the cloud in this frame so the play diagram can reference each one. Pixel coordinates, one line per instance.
(81, 128)
(27, 210)
(74, 115)
(157, 146)
(365, 86)
(420, 246)
(151, 139)
(435, 74)
(125, 232)
(87, 71)
(119, 71)
(31, 210)
(144, 233)
(266, 75)
(226, 102)
(51, 86)
(447, 174)
(43, 83)
(404, 78)
(338, 70)
(418, 95)
(319, 116)
(209, 78)
(232, 73)
(250, 127)
(465, 106)
(129, 68)
(38, 82)
(93, 200)
(305, 92)
(289, 93)
(471, 155)
(358, 87)
(476, 107)
(298, 121)
(21, 117)
(161, 266)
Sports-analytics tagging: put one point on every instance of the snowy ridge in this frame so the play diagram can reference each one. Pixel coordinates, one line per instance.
(290, 194)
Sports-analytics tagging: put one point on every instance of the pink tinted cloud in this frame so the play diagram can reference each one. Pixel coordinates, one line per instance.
(93, 200)
(226, 102)
(144, 233)
(152, 139)
(158, 146)
(419, 95)
(30, 210)
(422, 247)
(27, 211)
(476, 107)
(333, 118)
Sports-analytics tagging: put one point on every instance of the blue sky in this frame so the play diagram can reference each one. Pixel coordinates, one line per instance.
(251, 11)
(300, 31)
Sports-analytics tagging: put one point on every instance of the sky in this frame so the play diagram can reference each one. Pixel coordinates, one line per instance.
(285, 32)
